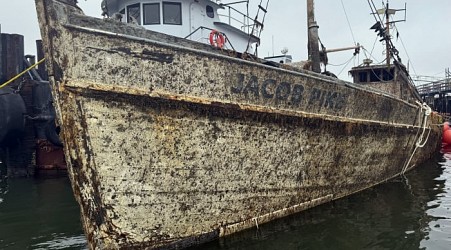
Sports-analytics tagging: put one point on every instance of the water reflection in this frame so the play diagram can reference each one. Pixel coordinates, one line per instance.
(39, 214)
(411, 213)
(3, 184)
(439, 208)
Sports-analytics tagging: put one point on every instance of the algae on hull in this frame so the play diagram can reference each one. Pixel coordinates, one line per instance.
(170, 144)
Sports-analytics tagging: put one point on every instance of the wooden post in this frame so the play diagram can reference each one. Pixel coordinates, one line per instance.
(2, 77)
(41, 68)
(313, 45)
(12, 56)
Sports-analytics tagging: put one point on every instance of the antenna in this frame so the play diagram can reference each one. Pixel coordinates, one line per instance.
(272, 45)
(386, 10)
(384, 32)
(284, 51)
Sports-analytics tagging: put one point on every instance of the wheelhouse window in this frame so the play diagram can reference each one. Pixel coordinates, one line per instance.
(172, 13)
(151, 13)
(210, 11)
(134, 13)
(363, 76)
(371, 75)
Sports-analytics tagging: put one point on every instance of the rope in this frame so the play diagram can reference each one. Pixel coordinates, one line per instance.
(20, 74)
(341, 64)
(256, 222)
(421, 141)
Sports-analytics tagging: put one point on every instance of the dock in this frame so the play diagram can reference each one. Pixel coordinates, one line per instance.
(29, 142)
(437, 94)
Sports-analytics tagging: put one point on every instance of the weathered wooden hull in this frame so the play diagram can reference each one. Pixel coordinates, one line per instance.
(170, 143)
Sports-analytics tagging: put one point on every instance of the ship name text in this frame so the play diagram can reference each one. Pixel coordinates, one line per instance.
(293, 93)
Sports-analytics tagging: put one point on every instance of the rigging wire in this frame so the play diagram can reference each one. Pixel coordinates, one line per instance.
(374, 45)
(338, 65)
(405, 50)
(408, 57)
(440, 73)
(247, 8)
(349, 24)
(373, 10)
(364, 52)
(371, 56)
(394, 53)
(347, 63)
(378, 19)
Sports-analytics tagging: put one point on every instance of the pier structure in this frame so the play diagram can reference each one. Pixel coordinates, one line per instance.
(436, 92)
(28, 132)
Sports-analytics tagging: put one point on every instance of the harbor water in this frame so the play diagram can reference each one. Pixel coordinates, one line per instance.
(405, 213)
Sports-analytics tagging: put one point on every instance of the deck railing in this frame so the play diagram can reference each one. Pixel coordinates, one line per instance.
(239, 20)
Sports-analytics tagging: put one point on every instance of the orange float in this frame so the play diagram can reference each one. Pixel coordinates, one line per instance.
(445, 126)
(446, 138)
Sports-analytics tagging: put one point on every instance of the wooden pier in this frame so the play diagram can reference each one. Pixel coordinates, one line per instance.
(29, 144)
(437, 94)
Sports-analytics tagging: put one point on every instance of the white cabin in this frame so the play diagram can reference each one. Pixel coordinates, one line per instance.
(190, 19)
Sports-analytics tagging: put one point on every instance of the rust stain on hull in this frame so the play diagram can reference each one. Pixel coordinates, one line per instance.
(170, 143)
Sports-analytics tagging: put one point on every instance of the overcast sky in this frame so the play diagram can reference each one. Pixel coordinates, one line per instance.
(426, 35)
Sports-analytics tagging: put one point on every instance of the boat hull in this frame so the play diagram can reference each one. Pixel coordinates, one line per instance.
(170, 144)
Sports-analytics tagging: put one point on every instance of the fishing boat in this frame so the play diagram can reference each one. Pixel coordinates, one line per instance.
(177, 138)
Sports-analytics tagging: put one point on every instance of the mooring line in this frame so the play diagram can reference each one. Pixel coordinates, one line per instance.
(20, 74)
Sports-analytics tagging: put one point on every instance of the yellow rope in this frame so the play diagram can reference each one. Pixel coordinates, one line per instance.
(23, 72)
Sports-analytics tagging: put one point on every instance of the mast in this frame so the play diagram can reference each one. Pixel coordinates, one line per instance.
(384, 32)
(313, 45)
(387, 45)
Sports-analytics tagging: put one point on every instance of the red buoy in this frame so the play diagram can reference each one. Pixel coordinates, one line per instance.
(446, 138)
(445, 126)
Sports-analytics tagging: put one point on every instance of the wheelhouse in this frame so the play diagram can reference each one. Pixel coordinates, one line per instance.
(192, 19)
(392, 79)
